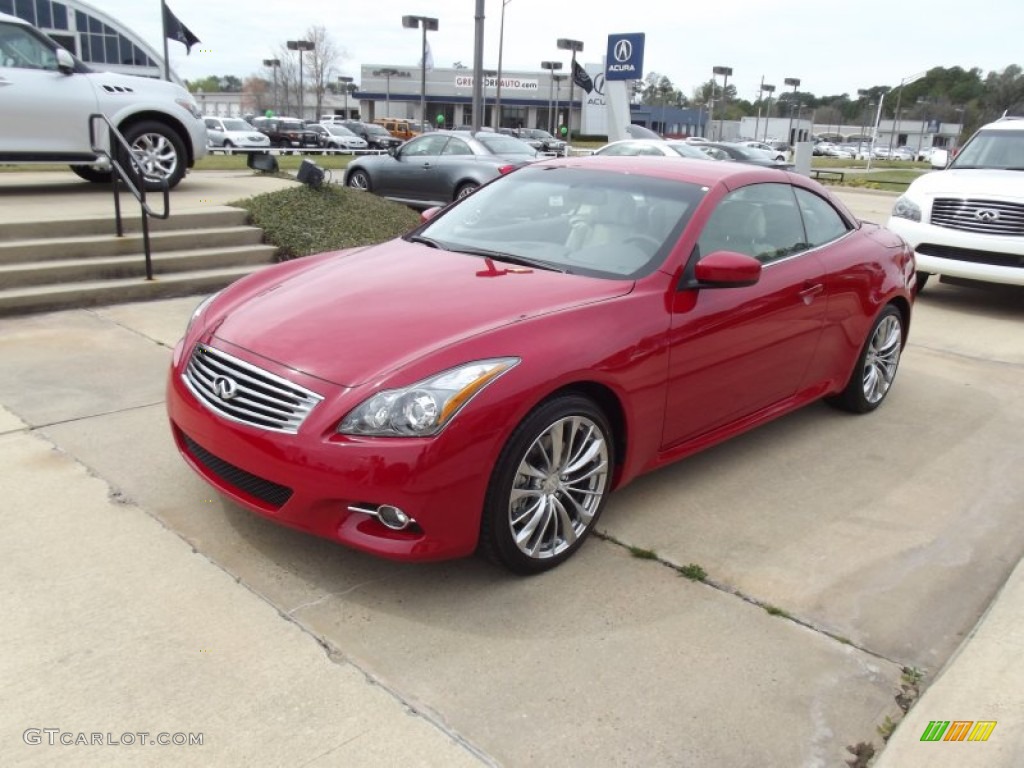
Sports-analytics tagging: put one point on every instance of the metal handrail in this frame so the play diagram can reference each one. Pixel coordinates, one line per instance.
(119, 174)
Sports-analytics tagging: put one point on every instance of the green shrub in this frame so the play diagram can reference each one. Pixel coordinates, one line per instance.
(303, 220)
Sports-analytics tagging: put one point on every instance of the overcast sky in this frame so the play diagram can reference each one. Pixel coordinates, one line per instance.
(832, 50)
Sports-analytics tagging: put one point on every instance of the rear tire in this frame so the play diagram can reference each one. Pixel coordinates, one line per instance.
(876, 366)
(465, 190)
(921, 280)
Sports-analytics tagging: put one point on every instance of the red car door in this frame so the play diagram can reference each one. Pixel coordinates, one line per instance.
(740, 350)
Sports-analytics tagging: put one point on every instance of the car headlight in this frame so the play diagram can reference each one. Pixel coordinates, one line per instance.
(199, 310)
(905, 208)
(424, 408)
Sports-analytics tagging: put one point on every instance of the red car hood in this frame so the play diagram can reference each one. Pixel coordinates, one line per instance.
(354, 317)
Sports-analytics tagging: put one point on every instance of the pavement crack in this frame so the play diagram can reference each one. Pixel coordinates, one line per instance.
(134, 331)
(697, 574)
(328, 595)
(99, 414)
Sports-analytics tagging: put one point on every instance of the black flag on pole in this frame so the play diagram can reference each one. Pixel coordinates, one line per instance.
(581, 78)
(175, 30)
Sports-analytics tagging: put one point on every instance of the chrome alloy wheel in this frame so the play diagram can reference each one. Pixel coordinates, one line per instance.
(882, 358)
(156, 154)
(558, 487)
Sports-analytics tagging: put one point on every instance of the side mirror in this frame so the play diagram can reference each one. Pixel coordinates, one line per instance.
(393, 151)
(726, 269)
(428, 214)
(65, 62)
(940, 159)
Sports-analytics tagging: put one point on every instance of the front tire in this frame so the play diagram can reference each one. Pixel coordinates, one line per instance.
(159, 150)
(359, 180)
(229, 148)
(876, 366)
(920, 281)
(549, 486)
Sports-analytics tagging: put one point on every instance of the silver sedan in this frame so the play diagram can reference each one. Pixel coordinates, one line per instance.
(438, 167)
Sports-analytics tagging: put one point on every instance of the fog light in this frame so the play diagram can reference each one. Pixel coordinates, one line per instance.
(392, 517)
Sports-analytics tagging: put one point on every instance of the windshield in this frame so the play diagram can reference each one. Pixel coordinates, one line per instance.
(376, 130)
(583, 221)
(998, 149)
(339, 130)
(290, 125)
(505, 145)
(685, 150)
(234, 124)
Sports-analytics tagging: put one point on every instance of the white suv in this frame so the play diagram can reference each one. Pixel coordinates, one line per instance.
(47, 96)
(967, 222)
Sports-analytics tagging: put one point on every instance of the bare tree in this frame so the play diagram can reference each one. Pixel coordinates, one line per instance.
(322, 62)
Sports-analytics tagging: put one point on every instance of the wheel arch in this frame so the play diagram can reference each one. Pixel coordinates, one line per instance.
(171, 122)
(611, 405)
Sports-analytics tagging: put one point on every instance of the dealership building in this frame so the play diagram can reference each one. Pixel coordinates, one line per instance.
(528, 99)
(99, 40)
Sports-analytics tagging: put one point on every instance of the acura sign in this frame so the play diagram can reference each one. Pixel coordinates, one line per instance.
(625, 57)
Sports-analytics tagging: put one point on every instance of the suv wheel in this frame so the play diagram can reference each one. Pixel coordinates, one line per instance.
(159, 150)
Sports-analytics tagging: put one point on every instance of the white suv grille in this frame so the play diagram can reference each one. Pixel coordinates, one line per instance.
(988, 217)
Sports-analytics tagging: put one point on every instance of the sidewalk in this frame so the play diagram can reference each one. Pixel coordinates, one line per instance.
(115, 627)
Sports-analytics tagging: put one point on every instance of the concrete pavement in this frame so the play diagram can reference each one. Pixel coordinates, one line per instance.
(144, 605)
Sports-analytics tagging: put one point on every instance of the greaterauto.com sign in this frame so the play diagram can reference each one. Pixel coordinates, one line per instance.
(507, 83)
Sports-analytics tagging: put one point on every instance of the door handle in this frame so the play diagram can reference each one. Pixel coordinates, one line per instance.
(810, 290)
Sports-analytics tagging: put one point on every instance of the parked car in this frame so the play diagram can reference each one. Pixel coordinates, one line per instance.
(967, 222)
(374, 135)
(548, 142)
(776, 154)
(398, 127)
(652, 147)
(287, 132)
(227, 133)
(438, 167)
(723, 151)
(484, 382)
(340, 137)
(48, 95)
(519, 133)
(903, 153)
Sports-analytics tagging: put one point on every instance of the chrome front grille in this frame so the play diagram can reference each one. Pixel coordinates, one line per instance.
(244, 393)
(986, 217)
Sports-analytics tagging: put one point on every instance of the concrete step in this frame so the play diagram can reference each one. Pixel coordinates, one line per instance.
(84, 246)
(215, 216)
(49, 298)
(133, 265)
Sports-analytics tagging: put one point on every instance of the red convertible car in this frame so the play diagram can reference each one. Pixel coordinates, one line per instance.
(484, 382)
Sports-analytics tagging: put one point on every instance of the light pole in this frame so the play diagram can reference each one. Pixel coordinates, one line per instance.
(760, 95)
(551, 66)
(501, 45)
(899, 97)
(559, 79)
(345, 85)
(274, 64)
(878, 119)
(795, 82)
(725, 72)
(301, 46)
(427, 23)
(959, 126)
(483, 112)
(769, 89)
(387, 72)
(565, 44)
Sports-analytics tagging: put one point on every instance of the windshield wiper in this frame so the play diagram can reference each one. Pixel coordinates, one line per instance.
(428, 241)
(509, 258)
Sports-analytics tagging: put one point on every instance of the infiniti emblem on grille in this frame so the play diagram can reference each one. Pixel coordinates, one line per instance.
(225, 388)
(986, 214)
